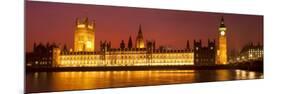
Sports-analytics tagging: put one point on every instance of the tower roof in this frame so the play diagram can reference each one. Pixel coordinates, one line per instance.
(187, 44)
(86, 20)
(222, 22)
(140, 32)
(130, 43)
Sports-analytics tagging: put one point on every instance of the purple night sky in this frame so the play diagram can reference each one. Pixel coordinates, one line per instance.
(55, 22)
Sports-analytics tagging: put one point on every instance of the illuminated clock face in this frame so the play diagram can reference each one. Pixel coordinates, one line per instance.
(222, 33)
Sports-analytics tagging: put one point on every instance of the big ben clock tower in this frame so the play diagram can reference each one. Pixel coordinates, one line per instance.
(222, 50)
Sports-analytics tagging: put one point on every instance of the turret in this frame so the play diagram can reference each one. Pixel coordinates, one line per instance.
(122, 44)
(187, 45)
(130, 43)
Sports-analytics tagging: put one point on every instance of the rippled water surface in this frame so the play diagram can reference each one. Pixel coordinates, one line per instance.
(57, 81)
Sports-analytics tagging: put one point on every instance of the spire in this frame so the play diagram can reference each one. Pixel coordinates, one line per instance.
(109, 44)
(222, 22)
(139, 39)
(130, 43)
(122, 44)
(187, 45)
(64, 47)
(86, 21)
(140, 36)
(140, 31)
(154, 45)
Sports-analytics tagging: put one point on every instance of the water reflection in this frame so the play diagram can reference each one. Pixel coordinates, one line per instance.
(56, 81)
(243, 74)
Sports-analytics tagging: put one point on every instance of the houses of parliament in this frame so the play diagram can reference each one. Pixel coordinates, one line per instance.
(136, 52)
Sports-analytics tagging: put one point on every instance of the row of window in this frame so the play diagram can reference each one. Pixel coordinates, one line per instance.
(42, 62)
(124, 57)
(127, 61)
(114, 64)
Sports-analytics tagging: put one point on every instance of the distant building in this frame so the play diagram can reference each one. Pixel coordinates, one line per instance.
(204, 55)
(251, 52)
(41, 56)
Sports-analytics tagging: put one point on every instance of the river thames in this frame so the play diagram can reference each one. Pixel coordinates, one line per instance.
(60, 81)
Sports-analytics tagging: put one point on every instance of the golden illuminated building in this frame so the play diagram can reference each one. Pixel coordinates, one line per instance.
(56, 56)
(84, 35)
(85, 56)
(250, 52)
(222, 48)
(126, 57)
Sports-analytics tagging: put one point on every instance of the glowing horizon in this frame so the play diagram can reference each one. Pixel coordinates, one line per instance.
(55, 22)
